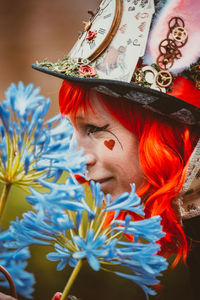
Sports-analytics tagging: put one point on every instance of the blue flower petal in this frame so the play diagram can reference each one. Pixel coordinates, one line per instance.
(79, 241)
(93, 262)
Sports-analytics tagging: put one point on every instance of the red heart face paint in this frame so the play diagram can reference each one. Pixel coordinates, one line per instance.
(109, 144)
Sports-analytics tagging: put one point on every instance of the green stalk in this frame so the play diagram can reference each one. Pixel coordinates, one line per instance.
(71, 280)
(4, 196)
(100, 227)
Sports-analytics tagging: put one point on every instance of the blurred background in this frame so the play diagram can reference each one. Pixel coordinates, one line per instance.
(32, 30)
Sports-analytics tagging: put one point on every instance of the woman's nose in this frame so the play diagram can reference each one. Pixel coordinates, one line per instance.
(90, 160)
(84, 143)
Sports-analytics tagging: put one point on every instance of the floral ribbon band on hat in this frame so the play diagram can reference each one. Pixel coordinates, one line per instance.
(70, 67)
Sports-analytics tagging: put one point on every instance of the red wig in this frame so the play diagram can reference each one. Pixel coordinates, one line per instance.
(164, 151)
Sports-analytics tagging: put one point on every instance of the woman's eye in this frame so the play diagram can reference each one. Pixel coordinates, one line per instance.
(92, 129)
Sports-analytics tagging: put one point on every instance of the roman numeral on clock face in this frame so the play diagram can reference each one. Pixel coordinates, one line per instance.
(107, 16)
(102, 30)
(92, 45)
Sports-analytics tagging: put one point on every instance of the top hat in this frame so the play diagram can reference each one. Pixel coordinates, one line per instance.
(142, 51)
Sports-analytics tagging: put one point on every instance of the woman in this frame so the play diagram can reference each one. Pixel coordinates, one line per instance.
(126, 144)
(138, 132)
(141, 129)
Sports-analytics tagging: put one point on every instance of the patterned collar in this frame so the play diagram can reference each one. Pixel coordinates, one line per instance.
(189, 197)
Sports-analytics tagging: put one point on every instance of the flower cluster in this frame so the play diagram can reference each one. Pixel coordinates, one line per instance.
(15, 263)
(31, 149)
(70, 67)
(75, 228)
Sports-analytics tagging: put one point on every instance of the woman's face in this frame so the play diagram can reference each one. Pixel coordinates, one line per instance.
(111, 150)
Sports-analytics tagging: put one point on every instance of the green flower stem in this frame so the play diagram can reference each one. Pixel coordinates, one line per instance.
(95, 211)
(71, 280)
(4, 196)
(100, 226)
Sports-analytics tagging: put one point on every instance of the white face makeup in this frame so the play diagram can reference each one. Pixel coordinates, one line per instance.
(111, 150)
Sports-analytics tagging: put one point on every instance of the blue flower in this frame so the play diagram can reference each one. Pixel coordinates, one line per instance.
(23, 280)
(143, 262)
(130, 202)
(31, 148)
(18, 236)
(60, 197)
(23, 99)
(45, 228)
(71, 189)
(34, 229)
(69, 195)
(5, 117)
(15, 263)
(74, 226)
(63, 255)
(96, 193)
(141, 258)
(60, 131)
(149, 229)
(91, 248)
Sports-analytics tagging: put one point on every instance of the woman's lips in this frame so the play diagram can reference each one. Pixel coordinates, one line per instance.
(104, 182)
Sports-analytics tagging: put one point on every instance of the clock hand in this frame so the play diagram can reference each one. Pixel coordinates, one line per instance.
(82, 37)
(102, 9)
(78, 45)
(91, 20)
(99, 12)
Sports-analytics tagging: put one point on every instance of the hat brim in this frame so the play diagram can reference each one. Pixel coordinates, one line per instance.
(159, 102)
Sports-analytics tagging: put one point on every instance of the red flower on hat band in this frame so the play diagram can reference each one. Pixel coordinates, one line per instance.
(87, 71)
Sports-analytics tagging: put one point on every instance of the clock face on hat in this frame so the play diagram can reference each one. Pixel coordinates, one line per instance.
(99, 31)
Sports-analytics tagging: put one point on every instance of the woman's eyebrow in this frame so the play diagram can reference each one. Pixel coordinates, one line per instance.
(104, 127)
